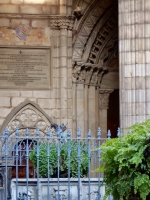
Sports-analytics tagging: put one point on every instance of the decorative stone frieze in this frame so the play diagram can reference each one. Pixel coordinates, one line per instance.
(104, 98)
(62, 22)
(88, 73)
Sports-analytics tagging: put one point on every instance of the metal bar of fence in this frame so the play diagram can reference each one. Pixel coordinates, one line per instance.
(89, 164)
(6, 161)
(99, 174)
(68, 150)
(17, 133)
(58, 161)
(48, 167)
(27, 161)
(79, 157)
(47, 140)
(37, 157)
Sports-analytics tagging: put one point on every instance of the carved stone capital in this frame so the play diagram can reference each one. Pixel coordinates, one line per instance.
(88, 73)
(62, 22)
(104, 98)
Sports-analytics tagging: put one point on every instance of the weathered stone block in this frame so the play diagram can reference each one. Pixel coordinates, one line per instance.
(16, 1)
(31, 9)
(47, 103)
(9, 93)
(34, 2)
(4, 22)
(54, 10)
(4, 102)
(16, 101)
(63, 61)
(147, 83)
(147, 30)
(63, 93)
(63, 103)
(147, 53)
(63, 113)
(5, 111)
(63, 82)
(26, 94)
(16, 22)
(140, 70)
(5, 1)
(39, 23)
(9, 8)
(41, 94)
(70, 103)
(63, 51)
(46, 9)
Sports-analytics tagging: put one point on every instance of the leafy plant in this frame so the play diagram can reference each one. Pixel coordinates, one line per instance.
(64, 160)
(125, 162)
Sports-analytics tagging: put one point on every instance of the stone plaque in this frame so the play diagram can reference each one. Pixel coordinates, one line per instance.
(25, 68)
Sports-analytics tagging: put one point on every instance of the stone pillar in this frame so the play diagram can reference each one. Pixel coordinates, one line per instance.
(64, 25)
(86, 110)
(63, 75)
(134, 46)
(74, 131)
(103, 106)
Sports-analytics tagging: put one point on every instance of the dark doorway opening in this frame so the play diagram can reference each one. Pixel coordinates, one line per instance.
(113, 113)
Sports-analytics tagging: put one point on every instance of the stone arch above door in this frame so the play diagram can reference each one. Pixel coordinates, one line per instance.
(27, 115)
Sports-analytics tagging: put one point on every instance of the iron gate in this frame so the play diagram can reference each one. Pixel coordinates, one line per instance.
(47, 166)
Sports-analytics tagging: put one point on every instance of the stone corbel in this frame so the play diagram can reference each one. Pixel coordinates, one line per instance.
(104, 98)
(61, 22)
(88, 73)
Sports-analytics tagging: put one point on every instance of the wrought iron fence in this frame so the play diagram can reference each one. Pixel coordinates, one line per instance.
(53, 165)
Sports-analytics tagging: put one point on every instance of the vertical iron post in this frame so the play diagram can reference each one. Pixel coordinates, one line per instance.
(108, 135)
(118, 132)
(37, 161)
(99, 154)
(89, 163)
(68, 149)
(58, 158)
(48, 157)
(17, 134)
(27, 160)
(6, 161)
(79, 157)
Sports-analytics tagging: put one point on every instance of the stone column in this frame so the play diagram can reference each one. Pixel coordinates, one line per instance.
(103, 107)
(134, 46)
(74, 131)
(64, 25)
(86, 110)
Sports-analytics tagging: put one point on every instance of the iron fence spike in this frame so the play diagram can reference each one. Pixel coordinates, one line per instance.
(109, 134)
(79, 132)
(69, 134)
(99, 132)
(118, 132)
(89, 133)
(48, 133)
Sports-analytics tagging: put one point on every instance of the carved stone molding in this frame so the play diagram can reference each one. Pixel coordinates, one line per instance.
(88, 73)
(62, 23)
(104, 98)
(29, 117)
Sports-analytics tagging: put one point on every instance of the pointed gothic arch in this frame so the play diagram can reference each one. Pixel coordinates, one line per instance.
(26, 115)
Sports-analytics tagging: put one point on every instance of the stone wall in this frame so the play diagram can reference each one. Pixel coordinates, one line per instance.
(24, 23)
(134, 33)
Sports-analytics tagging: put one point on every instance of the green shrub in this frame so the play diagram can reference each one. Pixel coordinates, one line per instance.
(125, 162)
(53, 157)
